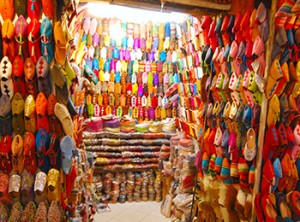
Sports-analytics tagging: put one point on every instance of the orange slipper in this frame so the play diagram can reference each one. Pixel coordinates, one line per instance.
(60, 44)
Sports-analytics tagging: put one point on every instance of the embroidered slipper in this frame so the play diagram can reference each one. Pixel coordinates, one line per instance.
(17, 154)
(30, 77)
(34, 45)
(18, 76)
(30, 163)
(275, 75)
(62, 113)
(250, 146)
(8, 39)
(7, 87)
(21, 30)
(30, 114)
(42, 144)
(46, 33)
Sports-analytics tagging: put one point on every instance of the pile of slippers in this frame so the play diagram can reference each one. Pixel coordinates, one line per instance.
(278, 196)
(132, 186)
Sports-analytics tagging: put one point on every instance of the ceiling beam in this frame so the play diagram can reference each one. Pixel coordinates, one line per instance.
(203, 4)
(192, 7)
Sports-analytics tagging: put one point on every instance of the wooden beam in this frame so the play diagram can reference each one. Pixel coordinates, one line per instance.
(203, 4)
(264, 106)
(170, 6)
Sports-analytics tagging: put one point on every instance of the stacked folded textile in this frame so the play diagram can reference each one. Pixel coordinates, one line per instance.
(169, 126)
(155, 127)
(112, 125)
(142, 127)
(127, 125)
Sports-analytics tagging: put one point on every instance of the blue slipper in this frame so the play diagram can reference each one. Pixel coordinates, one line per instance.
(67, 149)
(42, 145)
(46, 32)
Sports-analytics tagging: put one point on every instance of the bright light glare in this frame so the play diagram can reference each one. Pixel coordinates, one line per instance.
(126, 14)
(116, 32)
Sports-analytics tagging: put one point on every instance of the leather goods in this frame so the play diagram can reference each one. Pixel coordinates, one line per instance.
(40, 182)
(21, 28)
(60, 44)
(18, 76)
(41, 111)
(14, 185)
(34, 45)
(53, 185)
(17, 154)
(30, 163)
(5, 106)
(29, 212)
(54, 153)
(30, 114)
(5, 154)
(27, 187)
(47, 6)
(46, 33)
(16, 212)
(42, 144)
(30, 77)
(33, 9)
(4, 182)
(62, 113)
(7, 9)
(42, 71)
(7, 87)
(20, 7)
(57, 74)
(55, 212)
(55, 126)
(18, 124)
(41, 212)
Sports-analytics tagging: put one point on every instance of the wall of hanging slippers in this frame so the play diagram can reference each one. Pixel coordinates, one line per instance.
(43, 170)
(235, 98)
(247, 118)
(239, 105)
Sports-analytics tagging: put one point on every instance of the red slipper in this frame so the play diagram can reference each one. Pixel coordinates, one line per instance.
(268, 177)
(258, 207)
(271, 142)
(269, 207)
(70, 178)
(287, 167)
(295, 202)
(283, 141)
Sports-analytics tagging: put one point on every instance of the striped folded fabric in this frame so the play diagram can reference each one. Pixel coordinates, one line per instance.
(142, 127)
(155, 127)
(112, 123)
(127, 125)
(169, 126)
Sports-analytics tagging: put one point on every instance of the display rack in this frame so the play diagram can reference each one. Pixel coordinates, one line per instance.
(122, 159)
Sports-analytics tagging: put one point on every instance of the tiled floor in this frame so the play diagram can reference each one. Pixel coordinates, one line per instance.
(133, 212)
